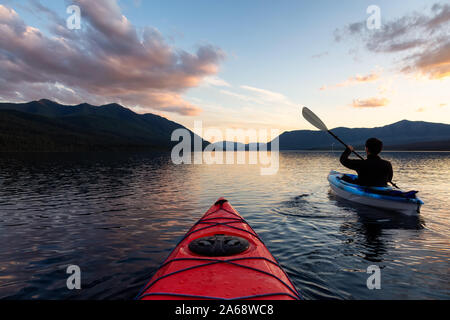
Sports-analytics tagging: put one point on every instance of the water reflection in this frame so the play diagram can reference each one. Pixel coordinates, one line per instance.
(381, 218)
(117, 216)
(369, 227)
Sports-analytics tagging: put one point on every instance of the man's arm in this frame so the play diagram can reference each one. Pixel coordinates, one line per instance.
(346, 162)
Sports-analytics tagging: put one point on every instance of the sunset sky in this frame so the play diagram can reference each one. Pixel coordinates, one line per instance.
(234, 64)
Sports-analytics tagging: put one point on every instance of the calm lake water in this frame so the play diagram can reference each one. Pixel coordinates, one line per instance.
(119, 216)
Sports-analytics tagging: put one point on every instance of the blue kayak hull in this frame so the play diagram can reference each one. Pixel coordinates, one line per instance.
(373, 196)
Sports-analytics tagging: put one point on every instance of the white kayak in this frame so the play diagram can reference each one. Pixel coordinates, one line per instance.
(381, 197)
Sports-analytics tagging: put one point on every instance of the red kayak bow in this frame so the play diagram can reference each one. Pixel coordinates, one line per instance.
(220, 258)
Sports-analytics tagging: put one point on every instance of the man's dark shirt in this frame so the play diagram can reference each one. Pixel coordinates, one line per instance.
(371, 172)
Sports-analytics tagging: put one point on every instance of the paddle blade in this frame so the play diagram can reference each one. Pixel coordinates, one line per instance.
(313, 119)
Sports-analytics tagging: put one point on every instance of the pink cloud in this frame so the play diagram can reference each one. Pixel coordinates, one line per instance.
(106, 61)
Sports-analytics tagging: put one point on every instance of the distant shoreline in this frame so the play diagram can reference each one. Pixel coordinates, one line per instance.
(46, 126)
(117, 152)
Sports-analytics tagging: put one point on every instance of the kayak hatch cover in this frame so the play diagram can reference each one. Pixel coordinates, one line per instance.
(220, 258)
(380, 197)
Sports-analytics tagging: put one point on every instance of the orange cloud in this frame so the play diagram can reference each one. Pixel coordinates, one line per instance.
(370, 103)
(371, 77)
(432, 63)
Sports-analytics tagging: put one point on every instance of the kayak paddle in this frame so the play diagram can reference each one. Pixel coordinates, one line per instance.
(316, 122)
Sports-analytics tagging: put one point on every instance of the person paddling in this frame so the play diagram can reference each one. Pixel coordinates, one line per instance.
(373, 171)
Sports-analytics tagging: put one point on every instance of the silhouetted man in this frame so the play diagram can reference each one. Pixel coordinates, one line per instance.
(373, 171)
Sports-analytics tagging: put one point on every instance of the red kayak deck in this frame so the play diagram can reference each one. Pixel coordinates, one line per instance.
(251, 275)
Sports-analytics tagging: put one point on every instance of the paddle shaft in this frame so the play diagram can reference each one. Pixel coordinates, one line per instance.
(316, 122)
(338, 139)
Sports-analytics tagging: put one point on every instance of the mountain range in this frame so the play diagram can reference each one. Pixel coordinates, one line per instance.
(46, 126)
(402, 135)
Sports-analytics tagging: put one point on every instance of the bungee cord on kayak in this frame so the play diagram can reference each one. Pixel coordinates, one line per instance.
(260, 275)
(252, 297)
(210, 262)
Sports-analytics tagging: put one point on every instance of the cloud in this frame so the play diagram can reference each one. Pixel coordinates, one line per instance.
(320, 55)
(435, 62)
(239, 96)
(266, 94)
(259, 96)
(371, 77)
(215, 81)
(370, 103)
(269, 97)
(422, 40)
(434, 107)
(109, 60)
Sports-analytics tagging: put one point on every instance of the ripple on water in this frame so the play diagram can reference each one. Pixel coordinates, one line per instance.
(118, 216)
